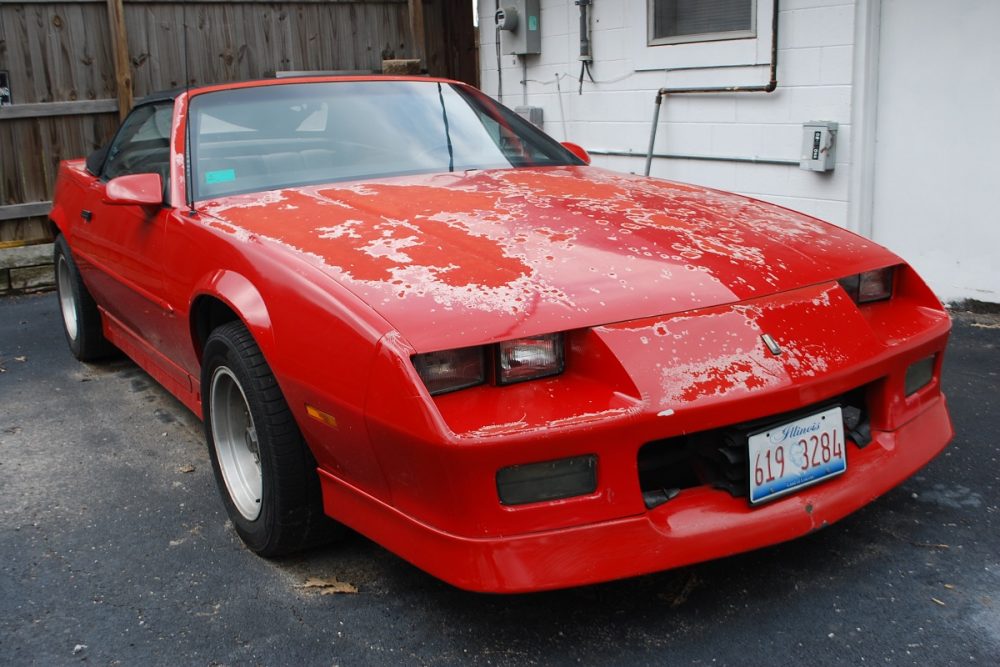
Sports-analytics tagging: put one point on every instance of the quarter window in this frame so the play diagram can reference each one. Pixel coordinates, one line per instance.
(142, 145)
(679, 21)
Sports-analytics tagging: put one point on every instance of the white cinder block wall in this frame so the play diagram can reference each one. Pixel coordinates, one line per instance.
(814, 83)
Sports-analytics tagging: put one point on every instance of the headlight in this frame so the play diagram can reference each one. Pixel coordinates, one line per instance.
(512, 361)
(869, 286)
(451, 370)
(529, 358)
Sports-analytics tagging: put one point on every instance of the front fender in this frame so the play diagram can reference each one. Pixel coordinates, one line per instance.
(243, 298)
(69, 195)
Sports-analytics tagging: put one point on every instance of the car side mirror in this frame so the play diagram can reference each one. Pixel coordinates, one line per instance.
(135, 190)
(577, 150)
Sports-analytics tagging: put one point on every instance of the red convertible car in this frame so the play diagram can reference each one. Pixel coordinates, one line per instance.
(399, 307)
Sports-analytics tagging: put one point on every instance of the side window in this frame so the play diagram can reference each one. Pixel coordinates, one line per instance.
(142, 145)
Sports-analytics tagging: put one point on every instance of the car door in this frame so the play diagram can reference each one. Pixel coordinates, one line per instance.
(121, 245)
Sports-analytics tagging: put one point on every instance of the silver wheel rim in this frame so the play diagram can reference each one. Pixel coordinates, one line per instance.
(236, 444)
(66, 302)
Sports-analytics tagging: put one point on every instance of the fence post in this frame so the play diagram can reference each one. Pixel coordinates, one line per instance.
(119, 50)
(417, 30)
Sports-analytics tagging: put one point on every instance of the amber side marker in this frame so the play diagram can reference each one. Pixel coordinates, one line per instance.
(321, 416)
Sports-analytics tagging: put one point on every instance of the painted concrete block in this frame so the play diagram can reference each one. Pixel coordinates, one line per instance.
(821, 26)
(29, 255)
(32, 277)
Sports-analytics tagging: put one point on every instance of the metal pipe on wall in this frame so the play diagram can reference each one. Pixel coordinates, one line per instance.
(707, 158)
(768, 87)
(586, 57)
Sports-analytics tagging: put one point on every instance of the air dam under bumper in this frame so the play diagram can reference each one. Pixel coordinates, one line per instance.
(700, 524)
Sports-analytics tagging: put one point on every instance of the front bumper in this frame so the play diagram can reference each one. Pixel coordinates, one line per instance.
(699, 524)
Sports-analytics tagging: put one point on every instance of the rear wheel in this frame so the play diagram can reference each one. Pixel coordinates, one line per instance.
(264, 470)
(81, 319)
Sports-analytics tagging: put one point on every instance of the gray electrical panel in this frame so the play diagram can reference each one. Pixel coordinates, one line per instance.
(819, 145)
(531, 114)
(520, 29)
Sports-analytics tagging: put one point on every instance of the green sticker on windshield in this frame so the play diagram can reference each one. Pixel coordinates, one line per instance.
(220, 176)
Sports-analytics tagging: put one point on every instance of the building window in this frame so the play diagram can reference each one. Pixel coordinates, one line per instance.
(679, 21)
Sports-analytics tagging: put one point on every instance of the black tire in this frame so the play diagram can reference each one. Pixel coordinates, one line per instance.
(289, 508)
(80, 317)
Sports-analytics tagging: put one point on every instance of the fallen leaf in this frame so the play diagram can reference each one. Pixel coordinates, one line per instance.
(936, 601)
(676, 599)
(329, 586)
(79, 648)
(186, 468)
(21, 359)
(950, 587)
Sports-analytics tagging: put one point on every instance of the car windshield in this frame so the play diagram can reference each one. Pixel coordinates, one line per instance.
(278, 136)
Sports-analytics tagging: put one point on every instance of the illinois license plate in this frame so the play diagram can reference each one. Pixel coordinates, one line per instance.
(790, 456)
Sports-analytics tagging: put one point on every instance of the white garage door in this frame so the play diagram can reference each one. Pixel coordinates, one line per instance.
(937, 157)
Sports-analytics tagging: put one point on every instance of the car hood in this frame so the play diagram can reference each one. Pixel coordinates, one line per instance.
(468, 258)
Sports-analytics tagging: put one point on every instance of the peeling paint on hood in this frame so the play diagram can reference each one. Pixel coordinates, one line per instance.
(466, 258)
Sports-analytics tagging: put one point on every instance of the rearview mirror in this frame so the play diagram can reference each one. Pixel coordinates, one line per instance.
(577, 150)
(135, 190)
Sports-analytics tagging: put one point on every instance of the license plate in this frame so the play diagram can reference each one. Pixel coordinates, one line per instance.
(791, 456)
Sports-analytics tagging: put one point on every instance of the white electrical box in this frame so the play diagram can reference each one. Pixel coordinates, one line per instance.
(520, 29)
(819, 145)
(531, 114)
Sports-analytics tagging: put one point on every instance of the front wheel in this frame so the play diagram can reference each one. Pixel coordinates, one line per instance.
(264, 470)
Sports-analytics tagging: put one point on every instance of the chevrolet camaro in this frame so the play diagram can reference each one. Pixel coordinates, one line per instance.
(399, 307)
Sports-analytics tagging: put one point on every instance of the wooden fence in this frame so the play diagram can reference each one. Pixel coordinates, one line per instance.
(74, 65)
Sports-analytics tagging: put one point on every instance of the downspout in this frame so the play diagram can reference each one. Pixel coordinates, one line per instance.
(768, 87)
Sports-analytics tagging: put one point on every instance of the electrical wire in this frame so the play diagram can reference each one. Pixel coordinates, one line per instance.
(597, 82)
(562, 112)
(524, 81)
(559, 92)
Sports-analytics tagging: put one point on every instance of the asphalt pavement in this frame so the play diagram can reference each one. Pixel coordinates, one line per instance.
(115, 549)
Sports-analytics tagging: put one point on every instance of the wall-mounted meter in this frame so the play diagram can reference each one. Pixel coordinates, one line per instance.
(520, 29)
(819, 145)
(531, 114)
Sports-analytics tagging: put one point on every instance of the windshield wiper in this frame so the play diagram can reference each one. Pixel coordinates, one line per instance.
(447, 132)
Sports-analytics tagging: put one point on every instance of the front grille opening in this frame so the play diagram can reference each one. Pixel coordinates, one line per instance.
(718, 458)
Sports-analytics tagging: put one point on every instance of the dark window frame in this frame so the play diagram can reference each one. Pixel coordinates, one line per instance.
(108, 151)
(653, 40)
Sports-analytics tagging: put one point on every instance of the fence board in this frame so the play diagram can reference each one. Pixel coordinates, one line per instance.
(28, 168)
(196, 2)
(25, 210)
(24, 230)
(56, 53)
(74, 108)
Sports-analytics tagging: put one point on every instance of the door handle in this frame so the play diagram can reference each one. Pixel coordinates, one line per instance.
(86, 215)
